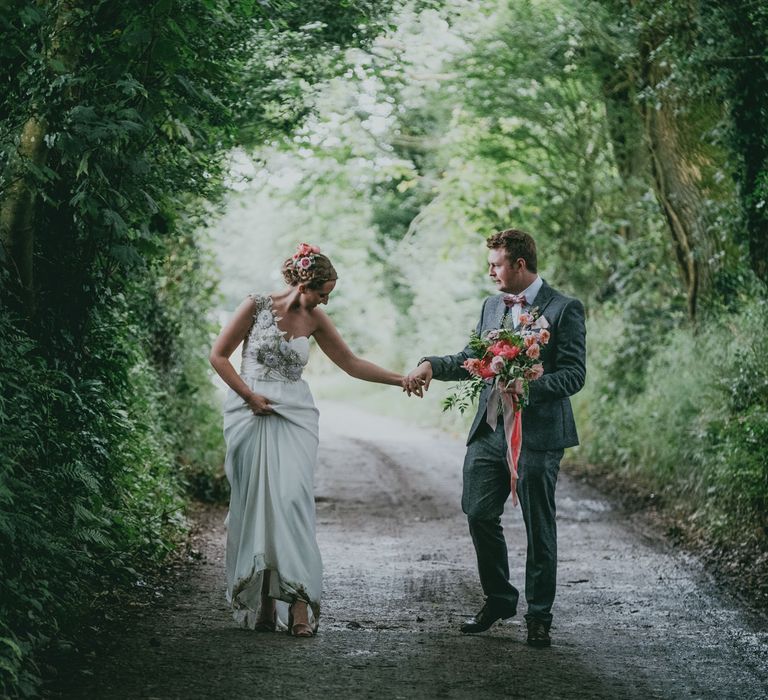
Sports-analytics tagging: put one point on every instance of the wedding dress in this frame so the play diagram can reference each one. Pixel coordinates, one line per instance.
(270, 466)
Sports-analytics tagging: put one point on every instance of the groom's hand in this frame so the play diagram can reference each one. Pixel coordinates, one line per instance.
(514, 388)
(419, 379)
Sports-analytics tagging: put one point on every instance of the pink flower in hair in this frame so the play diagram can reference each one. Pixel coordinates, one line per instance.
(306, 249)
(305, 263)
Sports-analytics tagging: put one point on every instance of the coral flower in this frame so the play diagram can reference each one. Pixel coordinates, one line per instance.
(499, 347)
(533, 351)
(543, 336)
(306, 249)
(472, 366)
(484, 369)
(510, 352)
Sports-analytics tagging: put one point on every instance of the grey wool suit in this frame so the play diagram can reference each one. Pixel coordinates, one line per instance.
(548, 428)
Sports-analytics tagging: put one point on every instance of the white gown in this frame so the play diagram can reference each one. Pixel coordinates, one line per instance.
(270, 465)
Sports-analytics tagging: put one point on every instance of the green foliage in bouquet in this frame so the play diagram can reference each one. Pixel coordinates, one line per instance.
(498, 357)
(465, 394)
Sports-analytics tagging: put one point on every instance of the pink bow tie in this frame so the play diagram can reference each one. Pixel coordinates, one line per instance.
(514, 299)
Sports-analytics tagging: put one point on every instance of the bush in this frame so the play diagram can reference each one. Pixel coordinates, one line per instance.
(88, 488)
(697, 429)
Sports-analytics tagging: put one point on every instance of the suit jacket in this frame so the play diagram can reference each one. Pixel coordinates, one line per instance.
(548, 422)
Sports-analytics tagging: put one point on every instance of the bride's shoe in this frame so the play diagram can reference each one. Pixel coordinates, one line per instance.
(267, 621)
(299, 629)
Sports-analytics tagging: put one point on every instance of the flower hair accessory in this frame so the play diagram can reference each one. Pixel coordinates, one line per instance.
(304, 259)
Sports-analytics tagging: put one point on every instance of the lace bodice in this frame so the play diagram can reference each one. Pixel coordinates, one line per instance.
(266, 352)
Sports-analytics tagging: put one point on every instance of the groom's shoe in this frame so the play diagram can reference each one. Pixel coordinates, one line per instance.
(538, 634)
(485, 619)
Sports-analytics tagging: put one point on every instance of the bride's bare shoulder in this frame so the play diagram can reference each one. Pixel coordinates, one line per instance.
(321, 320)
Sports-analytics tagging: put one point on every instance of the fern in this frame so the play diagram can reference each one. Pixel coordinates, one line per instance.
(464, 395)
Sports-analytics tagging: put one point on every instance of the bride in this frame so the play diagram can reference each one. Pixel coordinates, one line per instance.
(271, 433)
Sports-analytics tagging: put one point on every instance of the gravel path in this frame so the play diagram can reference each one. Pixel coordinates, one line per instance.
(633, 617)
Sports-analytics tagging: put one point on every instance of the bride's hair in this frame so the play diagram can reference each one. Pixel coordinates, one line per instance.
(308, 266)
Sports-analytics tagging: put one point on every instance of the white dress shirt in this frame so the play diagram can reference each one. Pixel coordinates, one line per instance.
(529, 293)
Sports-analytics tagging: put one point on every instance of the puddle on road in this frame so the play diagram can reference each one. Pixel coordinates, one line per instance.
(581, 509)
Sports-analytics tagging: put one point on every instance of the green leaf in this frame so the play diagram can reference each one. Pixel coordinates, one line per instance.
(14, 647)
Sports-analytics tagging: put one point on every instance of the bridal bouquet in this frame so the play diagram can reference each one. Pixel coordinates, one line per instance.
(501, 358)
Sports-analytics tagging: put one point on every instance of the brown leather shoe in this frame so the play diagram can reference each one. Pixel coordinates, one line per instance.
(538, 634)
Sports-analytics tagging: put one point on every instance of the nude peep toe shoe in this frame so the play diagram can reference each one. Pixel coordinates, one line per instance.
(300, 629)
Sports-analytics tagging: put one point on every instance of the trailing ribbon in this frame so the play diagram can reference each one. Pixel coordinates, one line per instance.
(513, 430)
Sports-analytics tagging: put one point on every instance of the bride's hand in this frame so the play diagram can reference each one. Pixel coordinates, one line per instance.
(412, 385)
(259, 404)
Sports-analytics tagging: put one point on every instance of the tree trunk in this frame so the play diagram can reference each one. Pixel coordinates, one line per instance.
(676, 162)
(625, 130)
(677, 184)
(17, 208)
(747, 90)
(17, 205)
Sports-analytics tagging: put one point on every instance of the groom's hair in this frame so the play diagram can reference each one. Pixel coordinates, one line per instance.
(518, 244)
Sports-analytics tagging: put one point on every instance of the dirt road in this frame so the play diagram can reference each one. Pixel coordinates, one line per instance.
(633, 618)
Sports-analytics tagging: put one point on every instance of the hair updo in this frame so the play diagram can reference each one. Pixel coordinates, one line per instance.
(308, 266)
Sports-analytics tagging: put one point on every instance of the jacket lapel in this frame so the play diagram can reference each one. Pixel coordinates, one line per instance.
(498, 312)
(543, 298)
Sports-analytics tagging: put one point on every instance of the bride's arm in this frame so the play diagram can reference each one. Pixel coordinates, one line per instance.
(230, 337)
(333, 345)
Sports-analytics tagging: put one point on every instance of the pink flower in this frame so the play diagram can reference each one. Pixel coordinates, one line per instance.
(533, 351)
(498, 348)
(472, 366)
(526, 319)
(504, 349)
(305, 263)
(534, 372)
(497, 364)
(530, 340)
(543, 336)
(484, 369)
(510, 352)
(314, 248)
(304, 249)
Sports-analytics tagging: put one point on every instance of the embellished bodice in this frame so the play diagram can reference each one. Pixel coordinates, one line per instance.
(266, 352)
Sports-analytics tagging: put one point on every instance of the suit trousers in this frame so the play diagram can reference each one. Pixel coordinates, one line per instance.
(486, 489)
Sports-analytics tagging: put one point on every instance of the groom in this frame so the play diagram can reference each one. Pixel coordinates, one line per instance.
(548, 428)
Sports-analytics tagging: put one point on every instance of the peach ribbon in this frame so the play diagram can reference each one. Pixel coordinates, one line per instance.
(513, 431)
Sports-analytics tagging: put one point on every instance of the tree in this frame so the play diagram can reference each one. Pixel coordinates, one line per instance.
(117, 121)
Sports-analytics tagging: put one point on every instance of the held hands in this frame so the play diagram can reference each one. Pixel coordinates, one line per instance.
(417, 382)
(259, 404)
